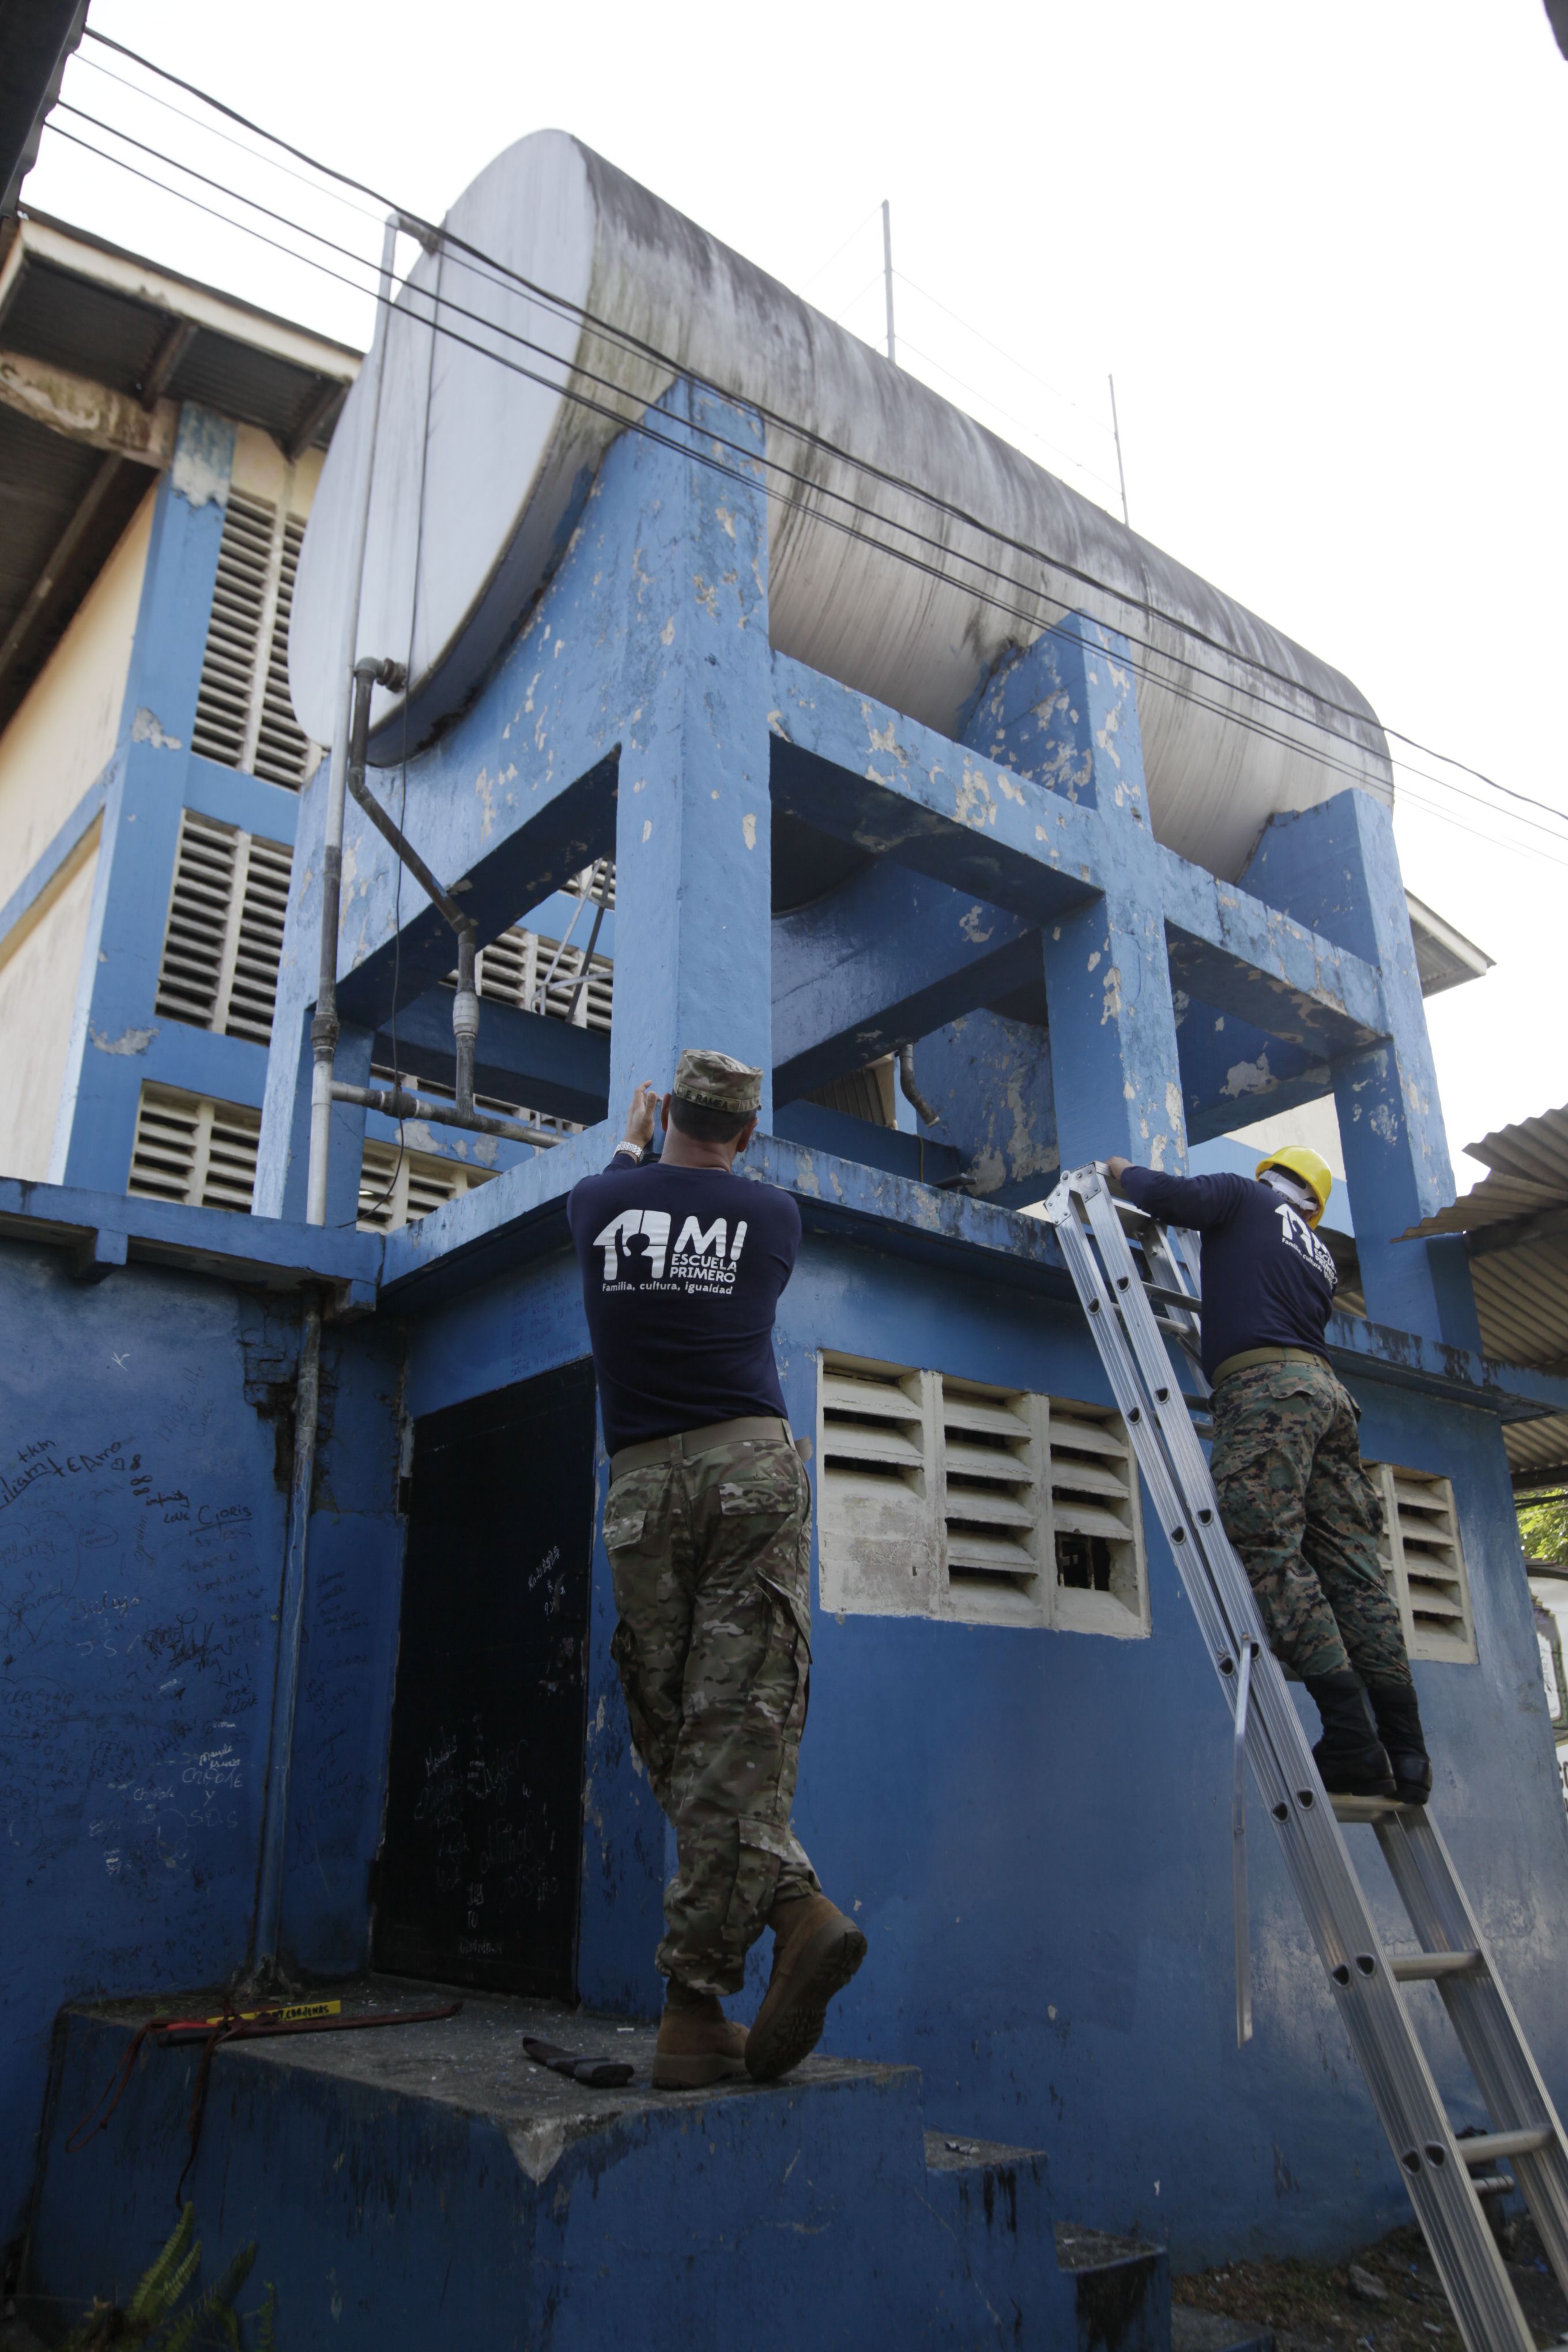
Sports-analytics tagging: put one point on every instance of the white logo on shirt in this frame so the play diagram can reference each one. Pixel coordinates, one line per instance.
(1297, 1235)
(653, 1224)
(703, 1260)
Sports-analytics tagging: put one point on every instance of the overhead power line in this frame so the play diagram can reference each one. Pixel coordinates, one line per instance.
(751, 462)
(616, 337)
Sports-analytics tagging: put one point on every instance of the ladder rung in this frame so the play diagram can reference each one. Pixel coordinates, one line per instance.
(1164, 1297)
(1410, 1967)
(1486, 2147)
(1369, 1809)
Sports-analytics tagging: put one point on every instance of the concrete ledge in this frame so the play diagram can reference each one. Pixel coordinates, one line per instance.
(260, 1251)
(429, 2185)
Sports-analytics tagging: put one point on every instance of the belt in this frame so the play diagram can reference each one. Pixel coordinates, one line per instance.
(753, 1428)
(1250, 1358)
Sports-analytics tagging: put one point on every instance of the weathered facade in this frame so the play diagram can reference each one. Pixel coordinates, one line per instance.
(1016, 1771)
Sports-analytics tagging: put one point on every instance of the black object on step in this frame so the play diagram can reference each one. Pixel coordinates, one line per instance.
(593, 2073)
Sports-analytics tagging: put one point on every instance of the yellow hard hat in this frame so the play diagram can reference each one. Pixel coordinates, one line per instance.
(1315, 1173)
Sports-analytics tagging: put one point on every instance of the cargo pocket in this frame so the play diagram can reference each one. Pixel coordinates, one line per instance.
(625, 1519)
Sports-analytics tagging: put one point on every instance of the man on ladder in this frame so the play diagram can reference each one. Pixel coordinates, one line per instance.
(1286, 1463)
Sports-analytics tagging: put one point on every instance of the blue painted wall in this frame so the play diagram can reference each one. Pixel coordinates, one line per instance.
(1034, 1827)
(141, 1531)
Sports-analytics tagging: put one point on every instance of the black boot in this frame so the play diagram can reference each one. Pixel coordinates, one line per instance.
(1350, 1755)
(1399, 1725)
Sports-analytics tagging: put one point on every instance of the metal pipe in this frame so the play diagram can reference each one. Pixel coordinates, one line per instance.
(911, 1092)
(368, 675)
(324, 1021)
(466, 1018)
(290, 1627)
(602, 900)
(396, 1102)
(324, 1024)
(888, 275)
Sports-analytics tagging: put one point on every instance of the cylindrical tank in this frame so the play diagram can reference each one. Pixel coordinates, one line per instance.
(479, 474)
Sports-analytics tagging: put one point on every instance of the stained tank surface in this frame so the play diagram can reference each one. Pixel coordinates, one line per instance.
(570, 297)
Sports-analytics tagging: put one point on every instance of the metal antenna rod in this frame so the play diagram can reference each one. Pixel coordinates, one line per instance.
(1120, 472)
(888, 276)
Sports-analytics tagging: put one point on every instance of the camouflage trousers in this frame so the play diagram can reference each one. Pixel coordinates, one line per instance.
(1305, 1519)
(711, 1562)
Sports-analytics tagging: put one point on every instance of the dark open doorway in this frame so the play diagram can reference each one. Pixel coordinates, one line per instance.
(479, 1876)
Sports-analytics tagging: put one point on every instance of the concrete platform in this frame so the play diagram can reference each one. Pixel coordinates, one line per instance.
(430, 2184)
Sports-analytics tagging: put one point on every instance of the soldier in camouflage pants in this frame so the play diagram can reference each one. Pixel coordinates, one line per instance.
(1303, 1515)
(710, 1553)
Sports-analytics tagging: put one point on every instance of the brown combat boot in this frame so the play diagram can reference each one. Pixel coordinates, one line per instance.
(817, 1951)
(697, 2042)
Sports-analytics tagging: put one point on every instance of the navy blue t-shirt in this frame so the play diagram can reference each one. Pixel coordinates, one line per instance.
(1267, 1280)
(682, 1268)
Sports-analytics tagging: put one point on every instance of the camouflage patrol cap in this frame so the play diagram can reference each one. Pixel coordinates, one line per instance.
(715, 1082)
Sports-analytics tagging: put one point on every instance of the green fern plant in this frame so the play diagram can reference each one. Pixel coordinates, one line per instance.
(152, 2317)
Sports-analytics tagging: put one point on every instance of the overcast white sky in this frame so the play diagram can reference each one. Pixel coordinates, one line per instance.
(1322, 252)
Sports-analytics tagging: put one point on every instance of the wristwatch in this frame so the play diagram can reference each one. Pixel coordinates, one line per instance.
(635, 1153)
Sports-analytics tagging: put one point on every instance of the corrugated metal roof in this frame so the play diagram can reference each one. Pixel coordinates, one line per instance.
(74, 302)
(1516, 1219)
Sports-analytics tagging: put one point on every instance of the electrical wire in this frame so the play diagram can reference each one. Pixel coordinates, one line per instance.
(1353, 771)
(211, 131)
(1012, 360)
(1038, 622)
(1034, 621)
(823, 267)
(620, 336)
(629, 342)
(975, 393)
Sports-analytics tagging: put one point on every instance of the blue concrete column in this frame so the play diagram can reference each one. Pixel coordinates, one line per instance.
(693, 834)
(115, 1018)
(1065, 713)
(990, 1078)
(283, 1157)
(1335, 869)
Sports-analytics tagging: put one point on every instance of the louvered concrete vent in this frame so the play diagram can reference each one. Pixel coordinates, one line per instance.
(948, 1498)
(194, 1150)
(225, 933)
(244, 716)
(399, 1188)
(1424, 1563)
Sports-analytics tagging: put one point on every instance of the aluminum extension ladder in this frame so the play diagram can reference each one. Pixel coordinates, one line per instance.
(1120, 1303)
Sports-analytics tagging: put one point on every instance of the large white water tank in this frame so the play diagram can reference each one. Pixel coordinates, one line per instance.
(480, 468)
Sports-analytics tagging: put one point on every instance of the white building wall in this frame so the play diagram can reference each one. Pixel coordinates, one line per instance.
(61, 738)
(38, 998)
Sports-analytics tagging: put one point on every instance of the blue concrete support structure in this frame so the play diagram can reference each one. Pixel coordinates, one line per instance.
(1030, 1818)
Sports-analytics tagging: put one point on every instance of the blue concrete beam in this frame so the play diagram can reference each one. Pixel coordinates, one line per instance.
(1247, 958)
(923, 1156)
(568, 827)
(1233, 1073)
(527, 1057)
(263, 1251)
(990, 1078)
(884, 960)
(866, 773)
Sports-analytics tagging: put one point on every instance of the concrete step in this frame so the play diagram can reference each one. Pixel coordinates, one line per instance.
(430, 2184)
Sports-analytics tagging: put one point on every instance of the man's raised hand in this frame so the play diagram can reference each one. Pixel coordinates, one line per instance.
(640, 1117)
